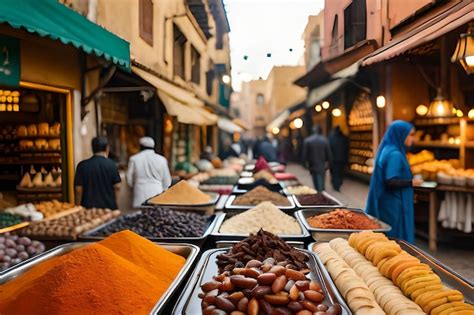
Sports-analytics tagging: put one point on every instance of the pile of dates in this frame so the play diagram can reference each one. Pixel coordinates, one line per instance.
(263, 287)
(261, 246)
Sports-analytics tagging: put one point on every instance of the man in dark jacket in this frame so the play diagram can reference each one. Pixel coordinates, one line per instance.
(339, 149)
(97, 179)
(267, 150)
(317, 153)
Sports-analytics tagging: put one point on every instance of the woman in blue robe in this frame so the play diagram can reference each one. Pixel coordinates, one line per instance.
(391, 187)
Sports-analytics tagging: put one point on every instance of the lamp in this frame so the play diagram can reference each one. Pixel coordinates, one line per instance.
(318, 108)
(380, 101)
(298, 123)
(421, 110)
(336, 112)
(440, 107)
(325, 104)
(464, 52)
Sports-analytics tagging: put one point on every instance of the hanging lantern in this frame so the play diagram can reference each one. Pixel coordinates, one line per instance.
(440, 107)
(464, 53)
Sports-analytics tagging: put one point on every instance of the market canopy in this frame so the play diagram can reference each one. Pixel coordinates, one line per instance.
(279, 120)
(189, 115)
(457, 16)
(49, 18)
(337, 80)
(228, 125)
(182, 104)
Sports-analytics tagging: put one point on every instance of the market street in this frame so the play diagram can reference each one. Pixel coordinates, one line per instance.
(232, 157)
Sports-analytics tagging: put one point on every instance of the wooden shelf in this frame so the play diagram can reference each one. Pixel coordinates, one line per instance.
(38, 137)
(39, 190)
(34, 160)
(361, 128)
(437, 121)
(363, 176)
(436, 144)
(9, 177)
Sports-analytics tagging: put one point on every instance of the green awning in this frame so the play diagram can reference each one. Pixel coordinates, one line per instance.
(49, 18)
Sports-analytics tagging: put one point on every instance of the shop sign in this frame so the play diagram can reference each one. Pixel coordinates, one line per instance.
(9, 61)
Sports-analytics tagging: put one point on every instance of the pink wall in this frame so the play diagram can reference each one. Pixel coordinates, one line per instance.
(382, 15)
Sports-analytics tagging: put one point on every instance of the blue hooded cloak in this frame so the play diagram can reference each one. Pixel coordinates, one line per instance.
(393, 205)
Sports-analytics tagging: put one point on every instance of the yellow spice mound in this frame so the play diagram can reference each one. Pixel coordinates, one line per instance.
(181, 194)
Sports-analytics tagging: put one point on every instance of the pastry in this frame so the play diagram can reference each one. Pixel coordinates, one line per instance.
(38, 180)
(54, 144)
(21, 131)
(48, 180)
(55, 129)
(32, 130)
(41, 144)
(43, 129)
(26, 181)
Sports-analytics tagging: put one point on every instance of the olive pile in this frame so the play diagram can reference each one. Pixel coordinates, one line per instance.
(8, 219)
(159, 223)
(262, 287)
(15, 249)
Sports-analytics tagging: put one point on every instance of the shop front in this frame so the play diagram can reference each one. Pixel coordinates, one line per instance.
(422, 81)
(41, 80)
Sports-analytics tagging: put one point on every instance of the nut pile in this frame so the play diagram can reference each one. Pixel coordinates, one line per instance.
(261, 246)
(50, 208)
(159, 222)
(261, 287)
(71, 225)
(15, 249)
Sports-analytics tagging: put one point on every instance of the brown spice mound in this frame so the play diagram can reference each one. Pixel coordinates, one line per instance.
(181, 194)
(261, 194)
(343, 219)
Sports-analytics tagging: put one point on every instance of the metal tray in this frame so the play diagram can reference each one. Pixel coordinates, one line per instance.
(188, 251)
(449, 277)
(337, 205)
(237, 237)
(197, 240)
(189, 302)
(229, 204)
(322, 235)
(247, 187)
(214, 196)
(227, 244)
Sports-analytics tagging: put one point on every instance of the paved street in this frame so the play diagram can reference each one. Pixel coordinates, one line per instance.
(354, 194)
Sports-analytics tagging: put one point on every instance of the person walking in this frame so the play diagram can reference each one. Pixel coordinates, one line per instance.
(147, 173)
(97, 179)
(267, 150)
(391, 187)
(339, 145)
(317, 154)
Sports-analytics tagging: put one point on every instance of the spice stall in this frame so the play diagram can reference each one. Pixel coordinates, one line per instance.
(351, 269)
(44, 66)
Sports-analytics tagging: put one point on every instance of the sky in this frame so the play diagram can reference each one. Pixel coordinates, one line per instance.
(259, 27)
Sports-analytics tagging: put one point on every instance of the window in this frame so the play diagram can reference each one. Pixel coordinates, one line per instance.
(335, 31)
(355, 23)
(195, 66)
(260, 99)
(179, 45)
(146, 20)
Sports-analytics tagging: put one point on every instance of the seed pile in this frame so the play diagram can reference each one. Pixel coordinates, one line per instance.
(261, 194)
(264, 216)
(159, 223)
(181, 194)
